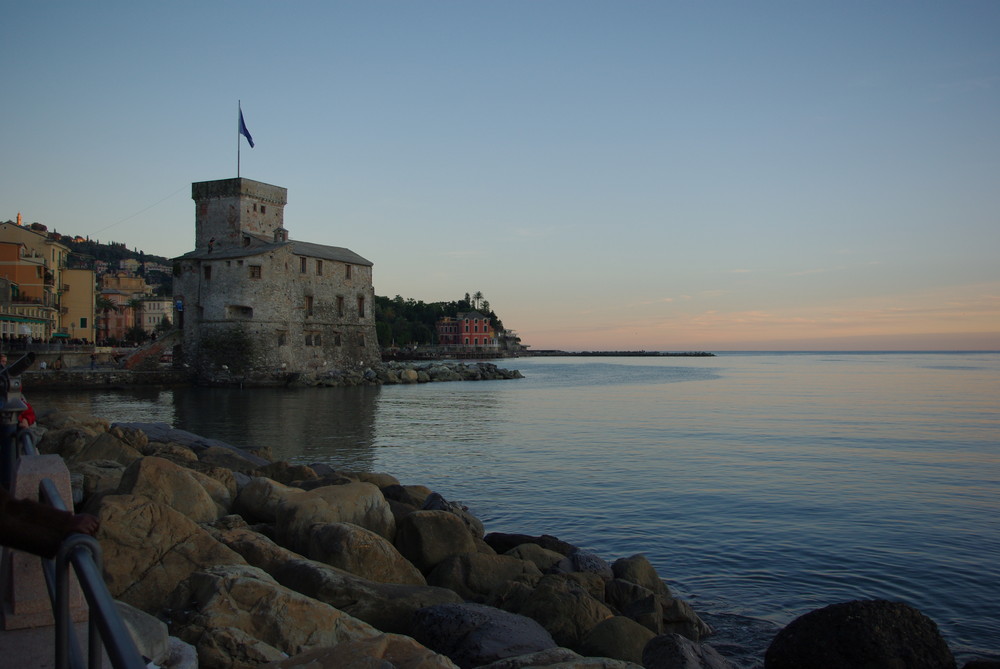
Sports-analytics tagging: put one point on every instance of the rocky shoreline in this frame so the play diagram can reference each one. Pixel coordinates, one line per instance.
(390, 373)
(248, 562)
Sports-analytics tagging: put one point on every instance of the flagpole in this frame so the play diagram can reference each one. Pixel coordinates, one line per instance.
(239, 110)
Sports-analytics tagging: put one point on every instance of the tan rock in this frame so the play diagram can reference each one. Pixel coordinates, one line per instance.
(637, 569)
(564, 608)
(254, 547)
(99, 476)
(106, 446)
(475, 576)
(358, 503)
(134, 437)
(377, 479)
(244, 598)
(361, 552)
(149, 548)
(620, 638)
(426, 538)
(542, 557)
(177, 453)
(388, 606)
(179, 488)
(386, 651)
(65, 441)
(259, 500)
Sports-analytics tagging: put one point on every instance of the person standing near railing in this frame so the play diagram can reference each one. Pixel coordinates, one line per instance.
(38, 528)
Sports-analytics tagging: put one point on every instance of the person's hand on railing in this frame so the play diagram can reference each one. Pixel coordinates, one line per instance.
(84, 523)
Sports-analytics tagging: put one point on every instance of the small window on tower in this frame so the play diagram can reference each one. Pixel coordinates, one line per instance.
(254, 271)
(302, 265)
(263, 209)
(208, 271)
(319, 268)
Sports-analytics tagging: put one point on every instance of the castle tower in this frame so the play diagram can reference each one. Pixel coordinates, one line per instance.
(229, 212)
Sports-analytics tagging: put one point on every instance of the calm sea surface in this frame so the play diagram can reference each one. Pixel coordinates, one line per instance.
(760, 485)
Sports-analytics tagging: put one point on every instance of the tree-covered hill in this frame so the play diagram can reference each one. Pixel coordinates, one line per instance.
(408, 322)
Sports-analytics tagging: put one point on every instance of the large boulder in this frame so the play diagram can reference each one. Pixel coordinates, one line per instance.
(361, 552)
(543, 558)
(869, 633)
(564, 608)
(559, 658)
(637, 569)
(259, 500)
(106, 446)
(426, 538)
(388, 606)
(473, 635)
(386, 651)
(502, 542)
(99, 476)
(475, 576)
(66, 441)
(356, 502)
(257, 549)
(179, 488)
(244, 598)
(149, 548)
(211, 604)
(620, 638)
(673, 651)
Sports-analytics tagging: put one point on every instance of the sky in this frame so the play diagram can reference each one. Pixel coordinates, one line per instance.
(623, 175)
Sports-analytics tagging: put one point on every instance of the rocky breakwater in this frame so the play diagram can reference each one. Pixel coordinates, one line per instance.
(389, 373)
(252, 562)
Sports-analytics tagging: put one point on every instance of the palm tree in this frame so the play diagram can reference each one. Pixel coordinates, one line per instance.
(103, 304)
(477, 297)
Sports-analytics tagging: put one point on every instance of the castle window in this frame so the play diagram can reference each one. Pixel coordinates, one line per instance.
(254, 271)
(361, 307)
(340, 306)
(361, 340)
(302, 265)
(208, 271)
(319, 268)
(255, 206)
(347, 271)
(336, 340)
(263, 209)
(309, 305)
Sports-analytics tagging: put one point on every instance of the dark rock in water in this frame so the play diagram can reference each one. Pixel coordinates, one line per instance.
(860, 634)
(472, 635)
(502, 542)
(672, 651)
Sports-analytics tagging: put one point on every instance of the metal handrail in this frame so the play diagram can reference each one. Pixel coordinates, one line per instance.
(106, 626)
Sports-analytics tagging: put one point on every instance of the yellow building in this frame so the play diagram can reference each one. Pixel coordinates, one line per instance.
(33, 264)
(79, 295)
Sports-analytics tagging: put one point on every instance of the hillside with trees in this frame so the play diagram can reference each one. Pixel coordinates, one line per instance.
(409, 322)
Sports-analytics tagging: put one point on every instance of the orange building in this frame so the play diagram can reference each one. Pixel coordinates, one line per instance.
(469, 330)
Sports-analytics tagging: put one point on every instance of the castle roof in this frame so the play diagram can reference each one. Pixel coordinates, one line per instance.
(308, 249)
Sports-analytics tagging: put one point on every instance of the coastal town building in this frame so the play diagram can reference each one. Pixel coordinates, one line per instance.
(34, 264)
(78, 305)
(467, 331)
(123, 295)
(258, 300)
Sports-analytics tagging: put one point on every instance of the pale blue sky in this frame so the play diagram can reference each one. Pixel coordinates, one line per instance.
(657, 175)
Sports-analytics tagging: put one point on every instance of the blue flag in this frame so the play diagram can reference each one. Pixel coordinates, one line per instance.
(243, 129)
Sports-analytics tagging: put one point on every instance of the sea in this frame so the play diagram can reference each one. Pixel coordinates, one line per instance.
(760, 485)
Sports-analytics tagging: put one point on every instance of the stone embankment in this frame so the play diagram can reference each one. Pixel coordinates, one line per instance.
(386, 374)
(253, 563)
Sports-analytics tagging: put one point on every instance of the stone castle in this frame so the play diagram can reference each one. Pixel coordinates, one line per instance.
(255, 304)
